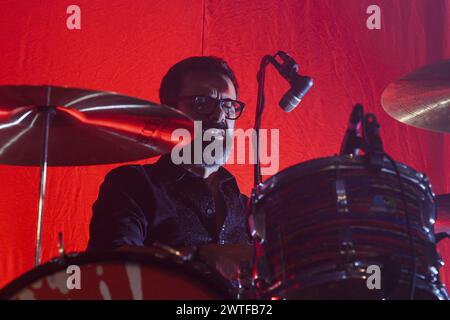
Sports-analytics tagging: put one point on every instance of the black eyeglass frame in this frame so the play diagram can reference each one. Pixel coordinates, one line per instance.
(217, 103)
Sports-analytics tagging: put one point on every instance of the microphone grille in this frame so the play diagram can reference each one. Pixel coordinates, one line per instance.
(300, 85)
(289, 101)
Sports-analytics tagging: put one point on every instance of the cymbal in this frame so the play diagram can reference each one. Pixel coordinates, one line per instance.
(86, 127)
(421, 98)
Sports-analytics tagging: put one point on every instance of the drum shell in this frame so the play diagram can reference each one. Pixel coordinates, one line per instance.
(120, 276)
(320, 224)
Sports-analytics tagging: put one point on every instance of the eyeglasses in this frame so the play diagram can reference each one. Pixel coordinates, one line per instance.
(207, 105)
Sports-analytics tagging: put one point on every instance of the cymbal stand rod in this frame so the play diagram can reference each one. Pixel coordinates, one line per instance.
(43, 178)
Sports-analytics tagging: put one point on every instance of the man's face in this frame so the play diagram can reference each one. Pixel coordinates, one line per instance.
(209, 85)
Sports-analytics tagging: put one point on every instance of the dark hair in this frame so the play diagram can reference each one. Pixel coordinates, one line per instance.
(171, 82)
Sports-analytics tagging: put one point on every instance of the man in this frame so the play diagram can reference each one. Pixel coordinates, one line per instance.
(185, 205)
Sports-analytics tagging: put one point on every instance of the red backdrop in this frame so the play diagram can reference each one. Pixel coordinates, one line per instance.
(126, 46)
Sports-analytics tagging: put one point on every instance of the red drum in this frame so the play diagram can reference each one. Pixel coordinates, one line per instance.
(323, 227)
(119, 276)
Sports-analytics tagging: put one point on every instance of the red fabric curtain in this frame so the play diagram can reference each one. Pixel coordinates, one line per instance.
(126, 46)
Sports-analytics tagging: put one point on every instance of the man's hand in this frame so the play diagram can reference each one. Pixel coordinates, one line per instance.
(227, 259)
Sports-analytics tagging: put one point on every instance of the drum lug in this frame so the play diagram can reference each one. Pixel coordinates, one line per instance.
(341, 196)
(346, 247)
(259, 191)
(257, 224)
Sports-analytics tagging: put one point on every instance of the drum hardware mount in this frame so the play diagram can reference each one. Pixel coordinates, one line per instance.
(363, 134)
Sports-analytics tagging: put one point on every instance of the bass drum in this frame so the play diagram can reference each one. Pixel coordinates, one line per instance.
(332, 228)
(119, 275)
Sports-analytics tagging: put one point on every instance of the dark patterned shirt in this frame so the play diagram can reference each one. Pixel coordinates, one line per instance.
(164, 202)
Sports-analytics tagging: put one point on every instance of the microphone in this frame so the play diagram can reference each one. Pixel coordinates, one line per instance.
(300, 85)
(372, 134)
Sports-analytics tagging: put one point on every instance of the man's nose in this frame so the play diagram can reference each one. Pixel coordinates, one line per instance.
(218, 115)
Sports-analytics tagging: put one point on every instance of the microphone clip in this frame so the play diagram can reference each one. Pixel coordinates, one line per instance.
(363, 134)
(300, 85)
(288, 68)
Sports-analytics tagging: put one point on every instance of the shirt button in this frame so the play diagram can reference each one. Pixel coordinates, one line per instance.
(209, 211)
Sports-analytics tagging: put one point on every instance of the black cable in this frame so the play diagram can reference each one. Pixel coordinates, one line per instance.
(409, 228)
(441, 236)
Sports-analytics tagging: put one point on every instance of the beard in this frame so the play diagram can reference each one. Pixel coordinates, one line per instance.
(212, 147)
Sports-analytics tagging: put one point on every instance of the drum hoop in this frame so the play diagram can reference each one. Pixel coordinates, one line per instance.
(210, 281)
(334, 162)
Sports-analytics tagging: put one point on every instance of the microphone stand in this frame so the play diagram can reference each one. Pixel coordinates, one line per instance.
(288, 69)
(260, 104)
(300, 85)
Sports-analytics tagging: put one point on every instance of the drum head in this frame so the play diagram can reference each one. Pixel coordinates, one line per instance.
(117, 276)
